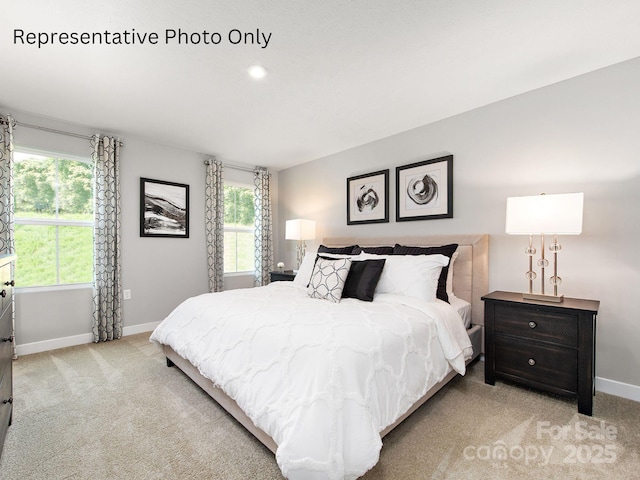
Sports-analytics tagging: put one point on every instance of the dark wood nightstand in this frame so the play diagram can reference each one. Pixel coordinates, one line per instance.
(550, 346)
(284, 276)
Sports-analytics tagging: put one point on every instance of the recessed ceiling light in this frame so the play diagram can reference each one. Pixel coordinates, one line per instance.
(257, 72)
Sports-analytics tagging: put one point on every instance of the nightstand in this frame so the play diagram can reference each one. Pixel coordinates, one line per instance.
(284, 276)
(549, 346)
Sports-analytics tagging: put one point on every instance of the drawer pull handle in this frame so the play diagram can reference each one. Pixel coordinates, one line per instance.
(532, 362)
(3, 293)
(8, 400)
(8, 339)
(533, 324)
(12, 283)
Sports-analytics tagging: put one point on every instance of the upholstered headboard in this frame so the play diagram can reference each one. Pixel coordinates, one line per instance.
(470, 270)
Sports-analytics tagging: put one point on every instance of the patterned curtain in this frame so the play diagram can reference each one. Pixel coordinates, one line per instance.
(6, 184)
(6, 200)
(264, 228)
(107, 304)
(214, 224)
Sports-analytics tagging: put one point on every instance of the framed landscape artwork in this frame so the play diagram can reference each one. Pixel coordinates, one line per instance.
(368, 198)
(424, 190)
(164, 209)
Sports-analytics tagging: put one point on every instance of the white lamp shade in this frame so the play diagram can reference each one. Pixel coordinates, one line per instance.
(300, 229)
(545, 214)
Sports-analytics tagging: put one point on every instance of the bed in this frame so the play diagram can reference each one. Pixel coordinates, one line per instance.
(265, 359)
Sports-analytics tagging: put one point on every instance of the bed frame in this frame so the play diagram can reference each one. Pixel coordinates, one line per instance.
(470, 282)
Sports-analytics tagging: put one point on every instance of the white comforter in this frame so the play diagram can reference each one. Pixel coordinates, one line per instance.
(322, 379)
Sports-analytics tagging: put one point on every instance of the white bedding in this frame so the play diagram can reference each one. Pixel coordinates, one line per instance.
(322, 379)
(463, 308)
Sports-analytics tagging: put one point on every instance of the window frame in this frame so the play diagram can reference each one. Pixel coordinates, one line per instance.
(57, 222)
(251, 229)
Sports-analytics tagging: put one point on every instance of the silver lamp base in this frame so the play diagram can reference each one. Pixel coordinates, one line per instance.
(543, 298)
(543, 263)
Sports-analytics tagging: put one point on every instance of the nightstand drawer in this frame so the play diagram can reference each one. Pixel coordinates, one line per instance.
(6, 324)
(547, 365)
(6, 354)
(6, 286)
(537, 325)
(6, 404)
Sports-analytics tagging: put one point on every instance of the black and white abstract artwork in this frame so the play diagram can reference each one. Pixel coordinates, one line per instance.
(424, 190)
(164, 209)
(368, 198)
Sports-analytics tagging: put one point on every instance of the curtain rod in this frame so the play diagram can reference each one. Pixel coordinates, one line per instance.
(53, 130)
(235, 167)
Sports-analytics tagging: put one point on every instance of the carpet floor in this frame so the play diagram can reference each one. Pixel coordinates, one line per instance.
(115, 411)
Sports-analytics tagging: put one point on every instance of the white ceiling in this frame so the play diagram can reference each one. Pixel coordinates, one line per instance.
(341, 72)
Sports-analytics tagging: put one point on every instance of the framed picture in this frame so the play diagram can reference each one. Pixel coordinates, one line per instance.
(164, 209)
(424, 190)
(368, 198)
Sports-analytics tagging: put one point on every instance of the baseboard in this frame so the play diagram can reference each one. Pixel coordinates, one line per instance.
(142, 328)
(53, 344)
(619, 389)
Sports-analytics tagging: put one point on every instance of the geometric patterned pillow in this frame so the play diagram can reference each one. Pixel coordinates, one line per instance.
(328, 277)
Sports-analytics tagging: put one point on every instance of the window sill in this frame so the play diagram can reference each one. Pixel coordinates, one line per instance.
(239, 274)
(54, 288)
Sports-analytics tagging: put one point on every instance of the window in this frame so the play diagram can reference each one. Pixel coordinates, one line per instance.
(239, 216)
(53, 219)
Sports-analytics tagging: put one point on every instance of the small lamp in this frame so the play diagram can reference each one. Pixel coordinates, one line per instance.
(544, 215)
(300, 230)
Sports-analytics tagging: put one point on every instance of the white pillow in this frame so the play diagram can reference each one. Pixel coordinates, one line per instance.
(410, 275)
(303, 276)
(450, 275)
(306, 268)
(328, 278)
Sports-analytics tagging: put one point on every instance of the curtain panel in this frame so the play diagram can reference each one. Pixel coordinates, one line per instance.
(7, 246)
(214, 223)
(263, 226)
(107, 302)
(7, 125)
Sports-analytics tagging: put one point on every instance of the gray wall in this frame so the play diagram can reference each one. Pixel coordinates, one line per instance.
(580, 135)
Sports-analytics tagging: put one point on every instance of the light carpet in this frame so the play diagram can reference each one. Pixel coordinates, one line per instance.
(115, 411)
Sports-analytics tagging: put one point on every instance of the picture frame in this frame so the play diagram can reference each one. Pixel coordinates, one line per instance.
(368, 198)
(424, 190)
(164, 209)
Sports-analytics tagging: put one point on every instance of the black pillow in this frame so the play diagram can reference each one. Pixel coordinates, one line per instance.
(373, 250)
(362, 279)
(336, 250)
(447, 250)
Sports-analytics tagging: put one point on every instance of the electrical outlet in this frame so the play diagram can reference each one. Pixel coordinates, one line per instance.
(126, 294)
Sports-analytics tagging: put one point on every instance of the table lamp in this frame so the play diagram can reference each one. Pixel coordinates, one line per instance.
(542, 215)
(300, 230)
